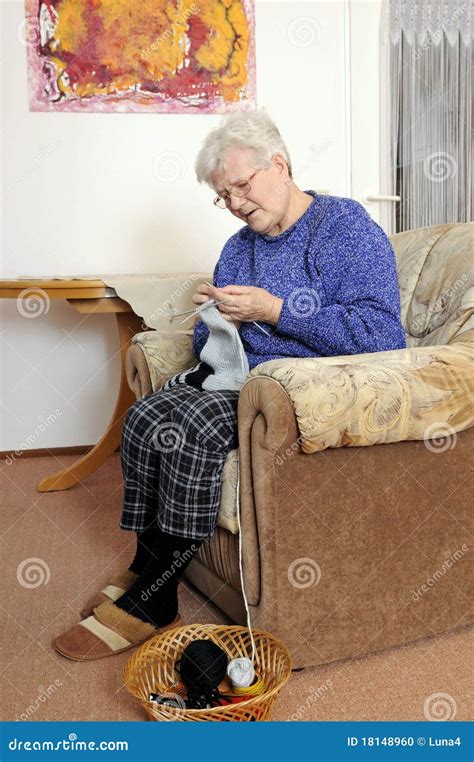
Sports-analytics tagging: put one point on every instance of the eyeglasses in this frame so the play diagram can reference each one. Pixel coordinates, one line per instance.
(239, 190)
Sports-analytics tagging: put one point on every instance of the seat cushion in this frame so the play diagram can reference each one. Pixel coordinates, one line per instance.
(227, 518)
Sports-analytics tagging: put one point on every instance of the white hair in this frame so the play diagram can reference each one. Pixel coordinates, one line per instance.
(251, 130)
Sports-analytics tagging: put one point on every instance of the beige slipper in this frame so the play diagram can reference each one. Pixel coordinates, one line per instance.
(118, 587)
(107, 632)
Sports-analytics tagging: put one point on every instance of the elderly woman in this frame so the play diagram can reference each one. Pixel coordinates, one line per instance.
(305, 276)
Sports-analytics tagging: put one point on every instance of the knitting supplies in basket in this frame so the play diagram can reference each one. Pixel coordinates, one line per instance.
(203, 667)
(151, 677)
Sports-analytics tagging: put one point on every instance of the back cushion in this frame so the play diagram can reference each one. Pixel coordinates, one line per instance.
(436, 277)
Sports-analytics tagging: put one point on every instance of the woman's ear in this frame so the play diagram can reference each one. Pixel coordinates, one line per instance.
(280, 163)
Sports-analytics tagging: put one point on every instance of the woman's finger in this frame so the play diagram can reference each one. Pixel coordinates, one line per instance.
(202, 294)
(227, 307)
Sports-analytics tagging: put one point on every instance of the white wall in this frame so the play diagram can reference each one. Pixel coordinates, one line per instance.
(95, 193)
(369, 99)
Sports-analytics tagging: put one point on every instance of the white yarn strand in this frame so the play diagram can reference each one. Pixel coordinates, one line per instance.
(241, 563)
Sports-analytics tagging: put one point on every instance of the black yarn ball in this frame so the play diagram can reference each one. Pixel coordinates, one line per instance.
(202, 666)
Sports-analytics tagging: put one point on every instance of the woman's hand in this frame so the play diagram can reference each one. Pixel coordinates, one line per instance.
(249, 303)
(204, 293)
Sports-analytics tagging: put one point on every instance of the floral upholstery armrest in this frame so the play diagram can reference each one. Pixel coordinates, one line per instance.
(366, 399)
(155, 356)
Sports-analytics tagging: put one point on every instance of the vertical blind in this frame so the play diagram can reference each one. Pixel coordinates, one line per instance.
(430, 94)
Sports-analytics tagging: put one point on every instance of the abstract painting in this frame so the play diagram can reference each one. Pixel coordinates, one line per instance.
(175, 56)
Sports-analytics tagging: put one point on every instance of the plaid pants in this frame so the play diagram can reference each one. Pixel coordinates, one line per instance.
(174, 446)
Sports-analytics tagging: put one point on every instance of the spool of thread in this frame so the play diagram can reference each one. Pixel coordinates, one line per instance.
(256, 689)
(241, 672)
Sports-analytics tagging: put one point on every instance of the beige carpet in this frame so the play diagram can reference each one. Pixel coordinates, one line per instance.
(70, 543)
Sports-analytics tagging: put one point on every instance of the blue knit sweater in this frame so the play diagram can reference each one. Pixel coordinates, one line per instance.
(335, 270)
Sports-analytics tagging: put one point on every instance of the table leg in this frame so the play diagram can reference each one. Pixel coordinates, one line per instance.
(128, 325)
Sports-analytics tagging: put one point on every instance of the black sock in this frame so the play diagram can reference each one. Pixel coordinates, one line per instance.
(198, 376)
(145, 543)
(153, 597)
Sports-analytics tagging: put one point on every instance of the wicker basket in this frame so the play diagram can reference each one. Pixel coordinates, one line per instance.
(151, 670)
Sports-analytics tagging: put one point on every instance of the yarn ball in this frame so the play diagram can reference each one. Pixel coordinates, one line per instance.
(202, 667)
(241, 672)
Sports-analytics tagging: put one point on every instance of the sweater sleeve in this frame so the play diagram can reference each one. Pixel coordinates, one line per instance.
(364, 310)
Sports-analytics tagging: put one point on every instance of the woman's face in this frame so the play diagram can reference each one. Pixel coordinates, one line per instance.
(265, 204)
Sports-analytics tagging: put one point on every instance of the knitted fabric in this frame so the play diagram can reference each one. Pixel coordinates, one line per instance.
(223, 363)
(224, 352)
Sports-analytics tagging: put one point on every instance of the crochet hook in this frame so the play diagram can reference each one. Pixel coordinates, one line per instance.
(253, 321)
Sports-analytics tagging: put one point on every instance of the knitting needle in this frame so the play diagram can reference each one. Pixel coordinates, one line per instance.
(209, 303)
(253, 321)
(194, 309)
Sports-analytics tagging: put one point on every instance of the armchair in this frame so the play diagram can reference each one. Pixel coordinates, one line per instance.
(354, 473)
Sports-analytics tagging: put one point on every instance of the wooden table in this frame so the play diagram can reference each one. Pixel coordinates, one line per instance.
(90, 297)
